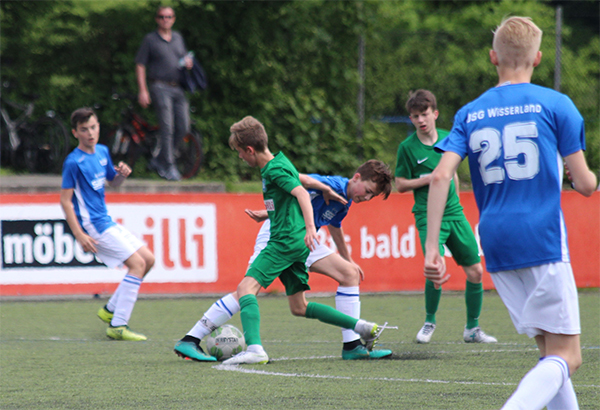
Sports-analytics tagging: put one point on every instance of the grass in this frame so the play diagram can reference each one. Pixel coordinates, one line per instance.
(55, 355)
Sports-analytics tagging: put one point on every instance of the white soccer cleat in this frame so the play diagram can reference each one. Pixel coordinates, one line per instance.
(476, 335)
(424, 335)
(370, 332)
(247, 357)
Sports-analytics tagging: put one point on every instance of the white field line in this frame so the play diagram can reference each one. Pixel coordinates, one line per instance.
(242, 369)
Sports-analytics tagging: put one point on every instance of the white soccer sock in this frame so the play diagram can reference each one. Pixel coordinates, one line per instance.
(565, 399)
(128, 292)
(111, 305)
(217, 315)
(540, 385)
(347, 300)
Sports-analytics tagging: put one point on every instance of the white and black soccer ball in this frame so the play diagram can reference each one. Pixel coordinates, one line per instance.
(225, 341)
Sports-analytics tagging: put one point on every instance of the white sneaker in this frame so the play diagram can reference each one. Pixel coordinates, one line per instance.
(247, 357)
(424, 335)
(370, 332)
(476, 335)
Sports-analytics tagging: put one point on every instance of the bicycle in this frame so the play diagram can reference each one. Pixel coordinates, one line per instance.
(134, 137)
(39, 145)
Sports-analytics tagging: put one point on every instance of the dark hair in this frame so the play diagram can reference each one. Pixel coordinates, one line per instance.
(378, 172)
(81, 115)
(249, 132)
(420, 100)
(161, 8)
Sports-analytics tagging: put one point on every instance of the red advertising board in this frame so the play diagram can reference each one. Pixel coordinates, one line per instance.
(202, 243)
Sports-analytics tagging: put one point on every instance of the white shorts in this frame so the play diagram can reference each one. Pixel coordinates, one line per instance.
(320, 252)
(541, 298)
(116, 245)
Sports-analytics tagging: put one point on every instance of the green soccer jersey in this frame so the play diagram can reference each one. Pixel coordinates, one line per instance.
(279, 178)
(416, 160)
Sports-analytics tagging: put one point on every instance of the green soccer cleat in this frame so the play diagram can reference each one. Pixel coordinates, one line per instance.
(105, 315)
(361, 353)
(123, 333)
(190, 350)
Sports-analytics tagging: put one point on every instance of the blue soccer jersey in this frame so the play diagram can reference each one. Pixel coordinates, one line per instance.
(515, 137)
(86, 174)
(335, 212)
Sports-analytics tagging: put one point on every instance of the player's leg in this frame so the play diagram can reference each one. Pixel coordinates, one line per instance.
(465, 251)
(250, 317)
(432, 294)
(347, 298)
(117, 246)
(296, 284)
(540, 300)
(217, 315)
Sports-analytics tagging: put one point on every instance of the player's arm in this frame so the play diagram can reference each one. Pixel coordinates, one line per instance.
(337, 234)
(87, 242)
(405, 185)
(258, 216)
(123, 171)
(328, 192)
(435, 267)
(456, 183)
(303, 198)
(584, 181)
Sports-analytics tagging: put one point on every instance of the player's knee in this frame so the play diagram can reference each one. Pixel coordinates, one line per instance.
(474, 273)
(350, 276)
(298, 310)
(575, 362)
(150, 259)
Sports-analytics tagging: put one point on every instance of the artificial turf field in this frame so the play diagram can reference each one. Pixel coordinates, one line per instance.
(55, 355)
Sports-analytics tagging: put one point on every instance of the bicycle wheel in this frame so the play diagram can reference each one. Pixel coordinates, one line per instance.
(47, 146)
(189, 154)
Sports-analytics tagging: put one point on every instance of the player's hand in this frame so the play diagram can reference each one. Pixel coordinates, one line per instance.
(258, 216)
(331, 195)
(189, 62)
(88, 244)
(435, 269)
(311, 239)
(123, 169)
(144, 99)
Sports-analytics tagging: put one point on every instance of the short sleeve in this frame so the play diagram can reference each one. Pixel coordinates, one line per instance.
(403, 169)
(285, 179)
(70, 169)
(570, 127)
(143, 55)
(456, 141)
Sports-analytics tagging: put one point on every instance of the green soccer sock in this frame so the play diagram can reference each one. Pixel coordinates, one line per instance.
(250, 316)
(329, 315)
(473, 300)
(432, 300)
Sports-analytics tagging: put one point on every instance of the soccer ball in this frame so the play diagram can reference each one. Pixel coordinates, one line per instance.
(225, 341)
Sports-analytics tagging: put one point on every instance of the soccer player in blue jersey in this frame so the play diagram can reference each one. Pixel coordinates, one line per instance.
(331, 197)
(85, 172)
(516, 136)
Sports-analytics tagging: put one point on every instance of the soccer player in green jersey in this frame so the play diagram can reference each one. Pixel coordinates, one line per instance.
(416, 161)
(293, 235)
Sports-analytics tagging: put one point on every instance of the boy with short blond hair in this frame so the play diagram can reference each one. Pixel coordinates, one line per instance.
(515, 135)
(292, 236)
(416, 161)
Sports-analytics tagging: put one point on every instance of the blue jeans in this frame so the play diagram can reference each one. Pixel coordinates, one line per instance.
(172, 111)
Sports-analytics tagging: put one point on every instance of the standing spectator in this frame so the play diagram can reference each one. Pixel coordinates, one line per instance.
(158, 61)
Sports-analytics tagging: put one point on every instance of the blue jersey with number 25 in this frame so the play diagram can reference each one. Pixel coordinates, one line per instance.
(515, 137)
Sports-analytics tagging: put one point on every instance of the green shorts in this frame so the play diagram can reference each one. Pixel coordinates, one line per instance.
(289, 267)
(457, 236)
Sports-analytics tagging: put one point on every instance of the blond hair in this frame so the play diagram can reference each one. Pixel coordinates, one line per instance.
(517, 41)
(249, 132)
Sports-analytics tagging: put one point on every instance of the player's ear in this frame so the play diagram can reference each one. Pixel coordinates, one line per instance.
(538, 59)
(436, 114)
(493, 57)
(356, 177)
